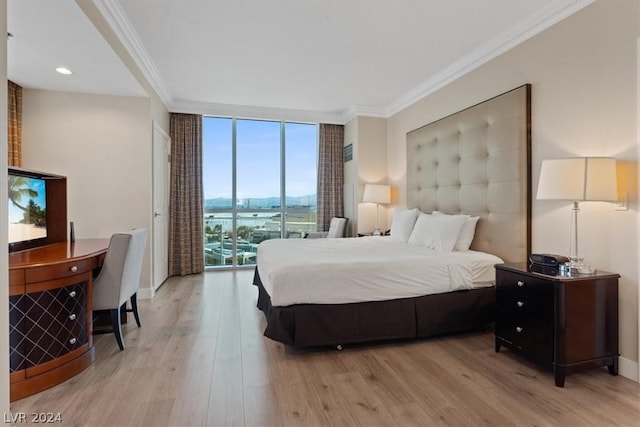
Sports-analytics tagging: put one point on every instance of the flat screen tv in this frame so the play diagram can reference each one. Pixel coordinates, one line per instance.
(27, 208)
(37, 209)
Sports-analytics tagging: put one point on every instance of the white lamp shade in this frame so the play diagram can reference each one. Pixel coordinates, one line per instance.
(578, 179)
(377, 193)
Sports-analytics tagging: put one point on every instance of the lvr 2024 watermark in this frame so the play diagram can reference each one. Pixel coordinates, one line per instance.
(32, 417)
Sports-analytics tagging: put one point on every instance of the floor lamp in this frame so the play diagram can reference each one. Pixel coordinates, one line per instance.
(377, 194)
(578, 180)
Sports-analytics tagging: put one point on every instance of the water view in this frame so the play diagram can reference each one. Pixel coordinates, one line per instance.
(250, 230)
(260, 182)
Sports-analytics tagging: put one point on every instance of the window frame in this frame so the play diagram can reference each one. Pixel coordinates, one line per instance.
(234, 211)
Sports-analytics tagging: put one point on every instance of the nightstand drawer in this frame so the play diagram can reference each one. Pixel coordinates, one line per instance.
(525, 285)
(534, 338)
(525, 305)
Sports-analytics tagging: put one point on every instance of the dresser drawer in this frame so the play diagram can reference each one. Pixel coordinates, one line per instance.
(46, 344)
(58, 271)
(55, 323)
(525, 285)
(532, 337)
(525, 305)
(16, 278)
(56, 299)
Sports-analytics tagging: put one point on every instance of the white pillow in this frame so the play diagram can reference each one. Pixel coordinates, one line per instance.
(437, 232)
(402, 223)
(467, 232)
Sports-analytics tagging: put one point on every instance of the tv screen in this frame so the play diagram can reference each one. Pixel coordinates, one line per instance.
(27, 208)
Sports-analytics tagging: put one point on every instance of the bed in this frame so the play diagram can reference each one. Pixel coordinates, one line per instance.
(331, 292)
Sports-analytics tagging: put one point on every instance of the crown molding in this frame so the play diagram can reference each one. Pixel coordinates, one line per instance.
(551, 15)
(554, 13)
(246, 111)
(362, 110)
(119, 23)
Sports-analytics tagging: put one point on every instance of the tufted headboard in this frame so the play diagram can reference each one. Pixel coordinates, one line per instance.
(478, 161)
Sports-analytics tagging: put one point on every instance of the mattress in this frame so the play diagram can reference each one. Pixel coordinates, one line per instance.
(350, 270)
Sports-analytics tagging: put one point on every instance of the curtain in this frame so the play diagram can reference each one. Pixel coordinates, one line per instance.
(14, 131)
(186, 238)
(330, 174)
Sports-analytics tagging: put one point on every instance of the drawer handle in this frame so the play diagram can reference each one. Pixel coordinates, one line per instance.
(72, 294)
(72, 316)
(518, 329)
(74, 268)
(520, 283)
(72, 341)
(519, 303)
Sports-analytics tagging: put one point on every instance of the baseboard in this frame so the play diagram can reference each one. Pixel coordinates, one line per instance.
(628, 369)
(148, 293)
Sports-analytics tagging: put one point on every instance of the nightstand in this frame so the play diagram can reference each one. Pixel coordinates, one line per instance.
(564, 323)
(386, 233)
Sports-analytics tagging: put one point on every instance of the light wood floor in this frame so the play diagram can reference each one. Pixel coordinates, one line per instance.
(200, 359)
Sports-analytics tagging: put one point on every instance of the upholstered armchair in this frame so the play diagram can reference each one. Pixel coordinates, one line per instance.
(337, 228)
(119, 279)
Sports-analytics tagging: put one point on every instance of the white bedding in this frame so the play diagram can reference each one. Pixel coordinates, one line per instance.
(338, 271)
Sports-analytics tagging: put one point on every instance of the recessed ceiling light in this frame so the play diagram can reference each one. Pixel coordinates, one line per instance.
(65, 71)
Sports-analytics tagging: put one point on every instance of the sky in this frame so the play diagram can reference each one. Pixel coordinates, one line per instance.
(258, 154)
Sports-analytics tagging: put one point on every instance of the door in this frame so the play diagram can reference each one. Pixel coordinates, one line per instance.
(161, 163)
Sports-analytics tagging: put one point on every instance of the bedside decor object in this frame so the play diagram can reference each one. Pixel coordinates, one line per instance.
(550, 264)
(377, 194)
(578, 180)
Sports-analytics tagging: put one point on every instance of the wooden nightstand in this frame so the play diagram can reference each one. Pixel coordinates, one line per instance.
(564, 323)
(386, 233)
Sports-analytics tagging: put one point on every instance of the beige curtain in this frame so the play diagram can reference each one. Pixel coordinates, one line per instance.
(14, 131)
(186, 238)
(330, 174)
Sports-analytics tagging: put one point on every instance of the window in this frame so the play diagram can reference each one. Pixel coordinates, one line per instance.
(260, 181)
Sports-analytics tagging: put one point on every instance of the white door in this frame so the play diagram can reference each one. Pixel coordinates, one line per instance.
(161, 164)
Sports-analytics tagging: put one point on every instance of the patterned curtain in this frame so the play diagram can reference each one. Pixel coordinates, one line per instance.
(186, 238)
(330, 174)
(14, 131)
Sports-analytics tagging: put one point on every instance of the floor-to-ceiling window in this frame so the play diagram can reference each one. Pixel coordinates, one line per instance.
(260, 181)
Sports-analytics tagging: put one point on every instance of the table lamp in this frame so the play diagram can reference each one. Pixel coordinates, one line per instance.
(377, 194)
(579, 180)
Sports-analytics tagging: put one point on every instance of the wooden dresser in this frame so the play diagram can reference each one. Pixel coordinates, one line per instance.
(564, 323)
(50, 292)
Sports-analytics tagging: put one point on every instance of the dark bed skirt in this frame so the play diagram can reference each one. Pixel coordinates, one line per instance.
(305, 325)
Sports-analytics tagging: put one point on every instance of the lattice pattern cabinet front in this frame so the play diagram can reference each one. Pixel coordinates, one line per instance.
(49, 325)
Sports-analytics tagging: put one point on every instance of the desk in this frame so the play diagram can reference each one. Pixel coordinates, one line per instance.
(50, 292)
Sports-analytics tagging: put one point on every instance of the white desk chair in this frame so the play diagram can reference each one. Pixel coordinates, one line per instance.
(119, 279)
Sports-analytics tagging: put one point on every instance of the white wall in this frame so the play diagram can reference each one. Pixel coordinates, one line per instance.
(4, 242)
(351, 177)
(583, 76)
(102, 144)
(368, 136)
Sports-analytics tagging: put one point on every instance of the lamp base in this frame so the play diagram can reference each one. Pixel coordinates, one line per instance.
(576, 261)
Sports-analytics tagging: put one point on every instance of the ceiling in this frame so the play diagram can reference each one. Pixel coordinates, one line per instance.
(336, 58)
